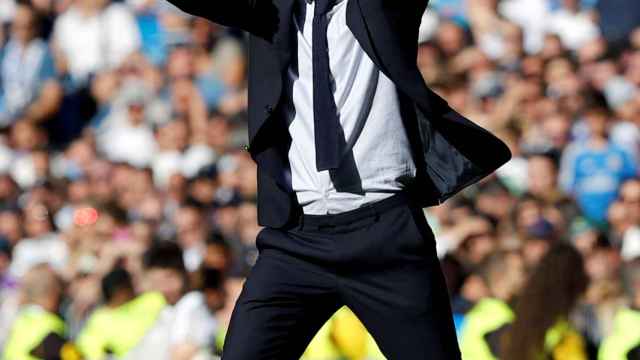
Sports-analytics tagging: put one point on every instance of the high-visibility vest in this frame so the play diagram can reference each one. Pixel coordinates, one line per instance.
(487, 316)
(563, 342)
(118, 330)
(343, 336)
(29, 329)
(625, 337)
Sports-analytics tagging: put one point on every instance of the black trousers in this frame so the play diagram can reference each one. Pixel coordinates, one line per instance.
(379, 260)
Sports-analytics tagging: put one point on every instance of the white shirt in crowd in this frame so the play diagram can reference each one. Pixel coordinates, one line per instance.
(189, 321)
(104, 39)
(47, 249)
(366, 99)
(132, 144)
(575, 29)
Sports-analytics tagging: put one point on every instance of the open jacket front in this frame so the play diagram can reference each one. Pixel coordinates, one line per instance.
(451, 152)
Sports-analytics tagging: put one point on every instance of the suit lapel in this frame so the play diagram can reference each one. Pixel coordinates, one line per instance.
(284, 39)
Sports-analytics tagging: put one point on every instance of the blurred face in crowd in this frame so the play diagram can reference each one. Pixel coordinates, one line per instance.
(8, 188)
(552, 46)
(37, 221)
(585, 242)
(480, 243)
(534, 250)
(571, 5)
(630, 196)
(620, 219)
(23, 27)
(450, 38)
(189, 226)
(168, 282)
(216, 257)
(180, 64)
(215, 299)
(218, 132)
(11, 226)
(136, 113)
(603, 264)
(92, 4)
(25, 136)
(557, 128)
(541, 175)
(597, 120)
(506, 280)
(173, 136)
(5, 262)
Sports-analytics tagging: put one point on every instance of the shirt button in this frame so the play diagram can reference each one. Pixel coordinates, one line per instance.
(245, 148)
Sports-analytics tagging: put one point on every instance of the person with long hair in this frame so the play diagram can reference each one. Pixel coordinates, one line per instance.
(541, 328)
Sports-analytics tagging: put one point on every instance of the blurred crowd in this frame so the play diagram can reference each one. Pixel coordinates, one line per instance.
(127, 200)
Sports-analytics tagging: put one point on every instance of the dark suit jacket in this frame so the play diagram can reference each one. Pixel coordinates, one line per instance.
(450, 151)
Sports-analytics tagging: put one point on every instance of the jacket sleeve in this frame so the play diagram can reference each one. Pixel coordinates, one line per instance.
(234, 13)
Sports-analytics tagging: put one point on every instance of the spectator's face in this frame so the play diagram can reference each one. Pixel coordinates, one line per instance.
(226, 219)
(515, 275)
(216, 257)
(634, 38)
(450, 38)
(168, 282)
(630, 196)
(10, 226)
(557, 128)
(215, 299)
(552, 47)
(189, 226)
(23, 26)
(585, 242)
(602, 264)
(203, 190)
(597, 123)
(79, 190)
(4, 263)
(174, 136)
(136, 114)
(8, 189)
(180, 64)
(534, 250)
(26, 136)
(571, 5)
(541, 175)
(37, 220)
(218, 133)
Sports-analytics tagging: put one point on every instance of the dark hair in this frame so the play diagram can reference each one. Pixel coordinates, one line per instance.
(549, 295)
(216, 238)
(164, 255)
(117, 280)
(212, 279)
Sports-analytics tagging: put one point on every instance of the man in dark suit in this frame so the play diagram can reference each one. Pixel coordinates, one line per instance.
(350, 145)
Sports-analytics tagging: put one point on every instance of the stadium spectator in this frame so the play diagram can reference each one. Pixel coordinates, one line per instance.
(541, 326)
(29, 89)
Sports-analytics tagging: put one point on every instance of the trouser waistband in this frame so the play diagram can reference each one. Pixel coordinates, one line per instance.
(351, 216)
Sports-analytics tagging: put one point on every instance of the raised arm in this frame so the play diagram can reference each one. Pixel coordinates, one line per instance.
(259, 17)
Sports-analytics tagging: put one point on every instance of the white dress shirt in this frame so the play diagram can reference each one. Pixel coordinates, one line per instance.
(369, 112)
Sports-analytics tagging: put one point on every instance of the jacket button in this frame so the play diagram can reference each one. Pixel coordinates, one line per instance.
(268, 109)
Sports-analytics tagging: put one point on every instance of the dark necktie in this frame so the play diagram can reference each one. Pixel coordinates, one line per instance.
(325, 112)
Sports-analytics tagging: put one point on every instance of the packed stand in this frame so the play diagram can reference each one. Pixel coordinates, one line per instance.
(127, 200)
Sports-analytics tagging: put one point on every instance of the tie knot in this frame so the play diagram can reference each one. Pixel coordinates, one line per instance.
(323, 6)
